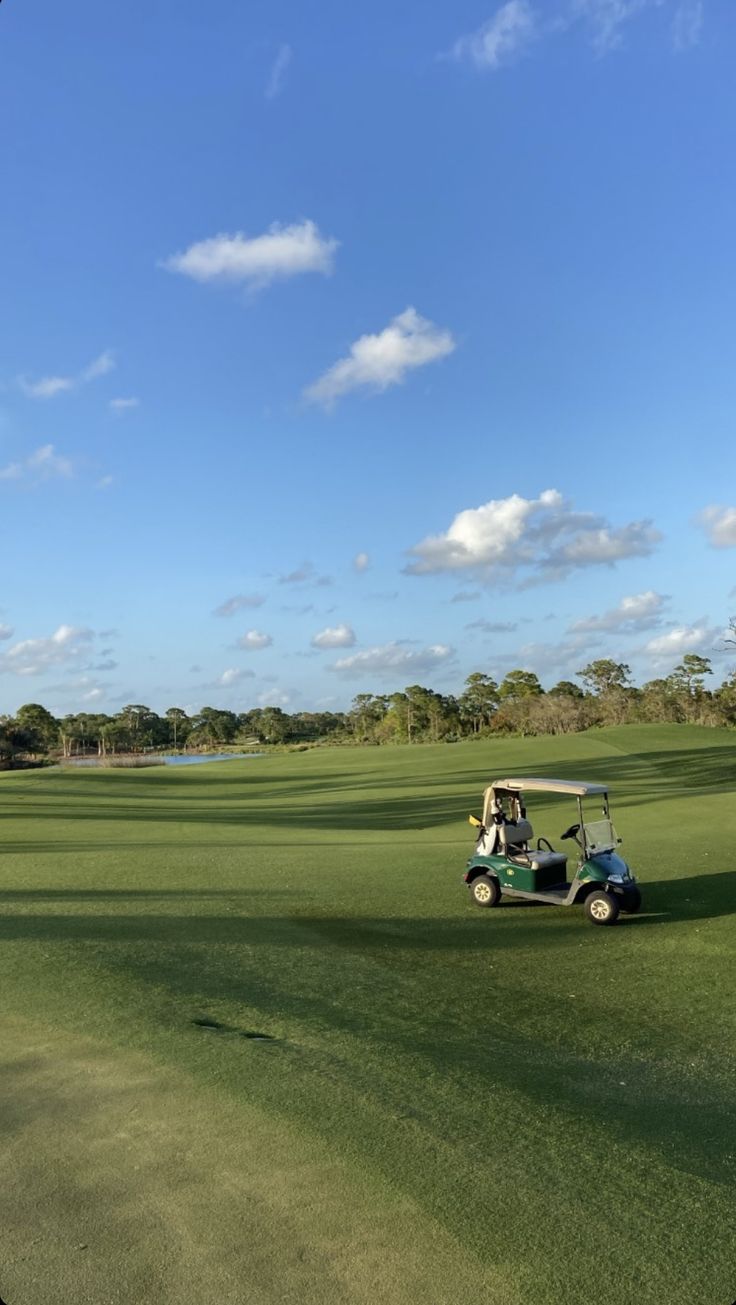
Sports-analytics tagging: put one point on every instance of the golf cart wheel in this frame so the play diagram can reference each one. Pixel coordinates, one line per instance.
(485, 891)
(602, 908)
(631, 901)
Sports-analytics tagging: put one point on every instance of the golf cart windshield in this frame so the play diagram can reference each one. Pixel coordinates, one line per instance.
(600, 836)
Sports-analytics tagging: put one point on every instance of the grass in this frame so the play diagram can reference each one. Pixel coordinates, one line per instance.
(260, 1047)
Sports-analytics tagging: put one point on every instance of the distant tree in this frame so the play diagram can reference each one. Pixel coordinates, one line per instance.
(691, 672)
(179, 725)
(604, 675)
(40, 728)
(519, 684)
(479, 701)
(565, 689)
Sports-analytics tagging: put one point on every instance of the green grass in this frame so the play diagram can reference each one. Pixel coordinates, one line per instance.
(456, 1105)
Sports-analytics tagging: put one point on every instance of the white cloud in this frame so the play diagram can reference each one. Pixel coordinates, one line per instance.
(636, 612)
(361, 562)
(607, 18)
(719, 523)
(687, 24)
(49, 463)
(543, 536)
(378, 361)
(233, 675)
(493, 627)
(280, 253)
(699, 637)
(393, 659)
(466, 596)
(237, 603)
(34, 656)
(279, 69)
(510, 29)
(6, 632)
(338, 636)
(273, 698)
(120, 406)
(254, 640)
(43, 464)
(49, 386)
(104, 482)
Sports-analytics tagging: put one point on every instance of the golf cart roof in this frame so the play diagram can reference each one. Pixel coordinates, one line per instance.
(570, 786)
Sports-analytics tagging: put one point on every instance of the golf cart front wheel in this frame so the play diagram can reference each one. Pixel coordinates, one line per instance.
(485, 891)
(602, 908)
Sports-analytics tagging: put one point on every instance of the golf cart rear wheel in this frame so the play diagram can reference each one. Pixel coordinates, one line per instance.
(602, 908)
(485, 891)
(631, 901)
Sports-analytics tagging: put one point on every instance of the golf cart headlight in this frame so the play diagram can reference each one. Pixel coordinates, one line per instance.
(618, 879)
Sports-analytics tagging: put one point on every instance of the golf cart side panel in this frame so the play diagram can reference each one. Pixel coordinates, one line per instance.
(517, 876)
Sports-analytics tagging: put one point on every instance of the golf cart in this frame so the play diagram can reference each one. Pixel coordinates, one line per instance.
(505, 860)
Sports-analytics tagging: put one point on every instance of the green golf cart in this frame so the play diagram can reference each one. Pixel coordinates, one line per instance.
(506, 861)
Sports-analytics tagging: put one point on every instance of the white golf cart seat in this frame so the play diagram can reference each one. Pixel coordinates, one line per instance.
(514, 839)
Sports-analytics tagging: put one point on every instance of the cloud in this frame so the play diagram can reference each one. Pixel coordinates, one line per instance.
(104, 482)
(119, 406)
(273, 698)
(304, 573)
(338, 636)
(607, 18)
(233, 675)
(254, 641)
(510, 29)
(6, 632)
(719, 524)
(699, 637)
(466, 596)
(377, 361)
(34, 656)
(493, 627)
(237, 603)
(636, 612)
(49, 386)
(543, 536)
(687, 25)
(361, 562)
(393, 659)
(279, 253)
(277, 75)
(44, 464)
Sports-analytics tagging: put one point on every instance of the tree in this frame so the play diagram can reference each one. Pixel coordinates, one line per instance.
(604, 675)
(565, 689)
(40, 728)
(479, 701)
(179, 723)
(519, 684)
(690, 674)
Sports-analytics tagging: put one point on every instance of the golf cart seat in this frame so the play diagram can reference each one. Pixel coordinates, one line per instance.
(515, 839)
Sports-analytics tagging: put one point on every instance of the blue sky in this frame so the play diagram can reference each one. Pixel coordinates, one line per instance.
(400, 334)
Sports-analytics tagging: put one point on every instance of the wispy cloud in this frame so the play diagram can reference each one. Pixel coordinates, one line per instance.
(44, 464)
(361, 562)
(237, 603)
(394, 659)
(687, 24)
(543, 537)
(279, 69)
(49, 386)
(338, 636)
(68, 644)
(699, 637)
(6, 632)
(635, 612)
(233, 675)
(504, 35)
(377, 361)
(278, 254)
(719, 524)
(120, 406)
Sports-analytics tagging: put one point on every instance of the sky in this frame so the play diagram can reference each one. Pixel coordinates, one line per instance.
(346, 347)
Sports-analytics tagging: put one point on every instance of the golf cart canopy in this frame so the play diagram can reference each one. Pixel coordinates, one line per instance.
(570, 786)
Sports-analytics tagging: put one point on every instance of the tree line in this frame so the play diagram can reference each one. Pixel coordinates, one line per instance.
(605, 695)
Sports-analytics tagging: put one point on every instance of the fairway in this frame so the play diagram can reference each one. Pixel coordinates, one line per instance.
(258, 1046)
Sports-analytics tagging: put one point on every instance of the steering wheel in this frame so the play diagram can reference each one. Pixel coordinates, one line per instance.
(572, 832)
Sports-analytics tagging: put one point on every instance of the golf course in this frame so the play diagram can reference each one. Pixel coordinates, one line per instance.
(258, 1045)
